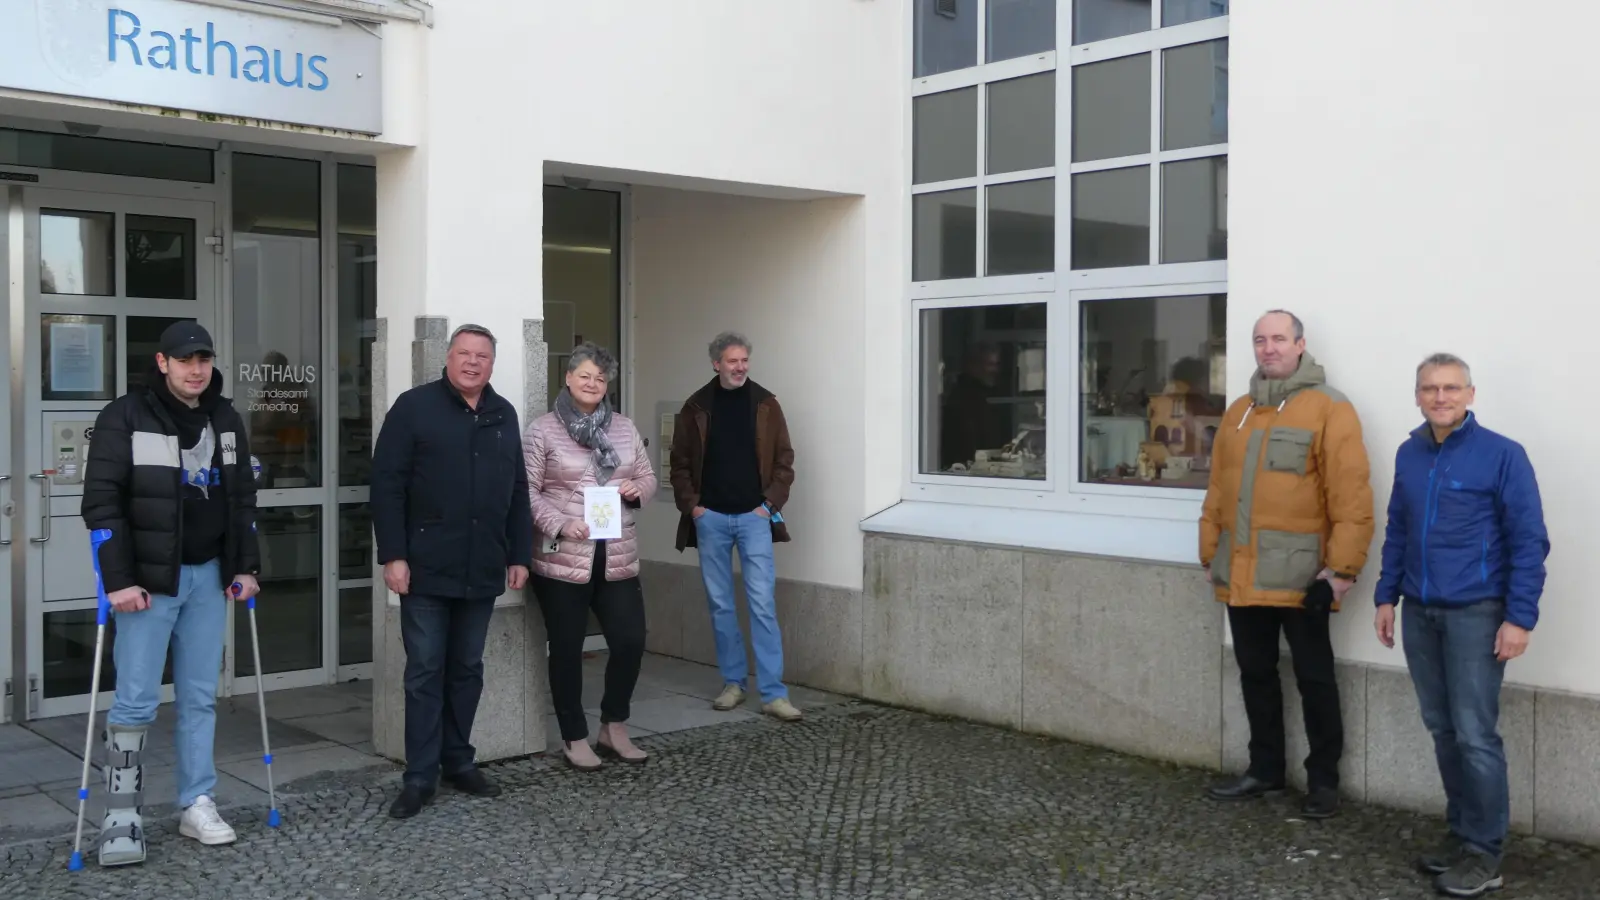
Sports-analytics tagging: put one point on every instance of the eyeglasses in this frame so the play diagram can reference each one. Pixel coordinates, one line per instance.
(1446, 390)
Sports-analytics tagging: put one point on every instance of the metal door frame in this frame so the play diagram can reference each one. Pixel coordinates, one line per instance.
(46, 508)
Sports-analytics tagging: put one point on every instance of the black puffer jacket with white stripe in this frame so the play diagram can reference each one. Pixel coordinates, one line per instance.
(133, 486)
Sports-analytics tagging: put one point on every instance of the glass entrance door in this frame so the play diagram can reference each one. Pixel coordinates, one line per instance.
(280, 388)
(103, 275)
(303, 253)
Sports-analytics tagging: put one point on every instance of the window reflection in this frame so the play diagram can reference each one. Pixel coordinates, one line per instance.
(983, 398)
(105, 156)
(944, 235)
(355, 626)
(1153, 379)
(583, 277)
(77, 253)
(160, 258)
(1098, 20)
(946, 36)
(69, 637)
(356, 567)
(144, 341)
(289, 616)
(358, 319)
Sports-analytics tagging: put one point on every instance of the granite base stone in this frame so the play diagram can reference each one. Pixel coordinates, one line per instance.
(1130, 656)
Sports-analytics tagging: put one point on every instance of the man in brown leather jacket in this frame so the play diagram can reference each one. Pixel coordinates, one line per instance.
(732, 467)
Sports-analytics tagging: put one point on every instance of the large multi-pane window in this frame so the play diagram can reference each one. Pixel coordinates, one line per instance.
(1069, 232)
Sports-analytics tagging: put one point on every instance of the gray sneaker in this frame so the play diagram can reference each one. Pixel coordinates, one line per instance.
(1473, 875)
(1439, 859)
(732, 697)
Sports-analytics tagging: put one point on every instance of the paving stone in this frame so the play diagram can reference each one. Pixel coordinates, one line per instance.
(34, 812)
(349, 728)
(857, 801)
(36, 762)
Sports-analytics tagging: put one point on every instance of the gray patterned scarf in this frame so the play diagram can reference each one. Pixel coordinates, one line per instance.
(590, 432)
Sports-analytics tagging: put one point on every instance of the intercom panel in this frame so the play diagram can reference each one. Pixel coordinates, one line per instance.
(665, 423)
(66, 449)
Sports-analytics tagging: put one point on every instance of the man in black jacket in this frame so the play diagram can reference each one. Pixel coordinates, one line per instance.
(169, 475)
(454, 530)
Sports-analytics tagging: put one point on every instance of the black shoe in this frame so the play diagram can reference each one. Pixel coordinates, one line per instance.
(1322, 803)
(410, 802)
(1441, 858)
(1247, 787)
(1473, 875)
(474, 782)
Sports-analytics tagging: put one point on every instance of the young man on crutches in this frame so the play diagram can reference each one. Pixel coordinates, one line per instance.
(170, 477)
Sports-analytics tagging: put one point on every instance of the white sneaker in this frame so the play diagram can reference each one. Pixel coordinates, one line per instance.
(203, 823)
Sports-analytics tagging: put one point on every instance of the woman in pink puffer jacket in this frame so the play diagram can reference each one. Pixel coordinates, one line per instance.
(582, 443)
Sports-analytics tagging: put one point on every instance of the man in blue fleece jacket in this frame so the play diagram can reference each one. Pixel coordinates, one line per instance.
(1465, 548)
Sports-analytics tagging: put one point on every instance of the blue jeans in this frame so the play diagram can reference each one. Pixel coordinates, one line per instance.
(444, 639)
(1451, 656)
(195, 623)
(717, 535)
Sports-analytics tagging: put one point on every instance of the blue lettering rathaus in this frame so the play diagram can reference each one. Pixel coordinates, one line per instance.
(161, 52)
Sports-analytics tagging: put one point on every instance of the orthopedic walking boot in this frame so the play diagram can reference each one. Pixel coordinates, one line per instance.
(122, 830)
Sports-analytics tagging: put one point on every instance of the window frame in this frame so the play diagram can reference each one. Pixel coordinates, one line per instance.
(1075, 302)
(1064, 289)
(1051, 480)
(979, 76)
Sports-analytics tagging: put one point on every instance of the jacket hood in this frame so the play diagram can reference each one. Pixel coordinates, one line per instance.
(1273, 391)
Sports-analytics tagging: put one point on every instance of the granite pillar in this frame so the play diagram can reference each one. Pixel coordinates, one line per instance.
(511, 717)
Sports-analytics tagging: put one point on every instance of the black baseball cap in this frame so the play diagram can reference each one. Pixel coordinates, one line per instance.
(185, 339)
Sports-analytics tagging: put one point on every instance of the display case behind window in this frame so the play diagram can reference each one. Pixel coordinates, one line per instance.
(983, 395)
(1152, 392)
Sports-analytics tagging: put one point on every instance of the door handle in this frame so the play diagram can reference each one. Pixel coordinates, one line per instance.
(6, 542)
(44, 509)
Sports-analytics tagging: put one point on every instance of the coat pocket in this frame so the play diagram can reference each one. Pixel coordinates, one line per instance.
(1288, 450)
(1287, 561)
(1222, 562)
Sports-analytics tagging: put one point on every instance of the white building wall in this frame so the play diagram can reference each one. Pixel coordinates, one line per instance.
(790, 276)
(803, 95)
(1411, 179)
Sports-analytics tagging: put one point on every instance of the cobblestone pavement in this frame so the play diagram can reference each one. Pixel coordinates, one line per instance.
(857, 801)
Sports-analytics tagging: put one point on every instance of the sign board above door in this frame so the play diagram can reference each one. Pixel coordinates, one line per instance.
(315, 71)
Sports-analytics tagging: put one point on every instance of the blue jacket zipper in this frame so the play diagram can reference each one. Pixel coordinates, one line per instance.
(1427, 520)
(1483, 563)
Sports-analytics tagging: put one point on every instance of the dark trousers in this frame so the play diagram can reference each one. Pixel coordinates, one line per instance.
(619, 605)
(444, 638)
(1451, 656)
(1255, 646)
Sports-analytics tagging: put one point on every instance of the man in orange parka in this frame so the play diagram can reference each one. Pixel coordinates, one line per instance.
(1287, 523)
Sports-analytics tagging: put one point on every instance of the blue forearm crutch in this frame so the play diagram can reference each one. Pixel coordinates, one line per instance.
(102, 610)
(261, 709)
